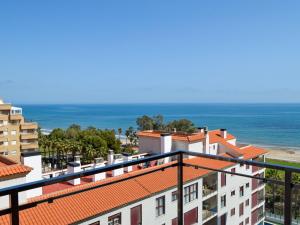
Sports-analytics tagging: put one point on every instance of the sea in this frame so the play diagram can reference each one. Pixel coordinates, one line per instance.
(269, 125)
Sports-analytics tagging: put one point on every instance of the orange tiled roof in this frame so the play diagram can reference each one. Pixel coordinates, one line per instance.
(214, 136)
(251, 152)
(9, 168)
(175, 136)
(77, 207)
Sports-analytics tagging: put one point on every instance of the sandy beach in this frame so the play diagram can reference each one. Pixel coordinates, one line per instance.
(287, 154)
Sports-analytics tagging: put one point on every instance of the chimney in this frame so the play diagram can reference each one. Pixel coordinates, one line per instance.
(33, 159)
(174, 130)
(74, 167)
(165, 144)
(110, 157)
(77, 159)
(223, 133)
(117, 158)
(200, 129)
(99, 162)
(127, 157)
(206, 142)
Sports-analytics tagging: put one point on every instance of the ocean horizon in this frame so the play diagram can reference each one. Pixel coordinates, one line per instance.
(275, 125)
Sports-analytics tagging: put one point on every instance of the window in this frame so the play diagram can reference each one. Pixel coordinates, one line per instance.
(4, 153)
(115, 219)
(233, 193)
(160, 206)
(241, 223)
(5, 143)
(13, 152)
(5, 133)
(174, 196)
(13, 132)
(232, 171)
(247, 185)
(241, 209)
(247, 202)
(191, 193)
(247, 167)
(241, 191)
(136, 215)
(241, 164)
(95, 223)
(232, 212)
(247, 221)
(223, 179)
(13, 142)
(223, 201)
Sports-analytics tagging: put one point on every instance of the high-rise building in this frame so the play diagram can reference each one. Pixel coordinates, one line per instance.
(16, 135)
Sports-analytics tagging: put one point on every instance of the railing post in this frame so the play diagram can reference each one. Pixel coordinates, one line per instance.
(14, 204)
(288, 198)
(180, 188)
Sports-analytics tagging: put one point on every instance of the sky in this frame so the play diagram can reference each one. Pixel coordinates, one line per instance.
(125, 51)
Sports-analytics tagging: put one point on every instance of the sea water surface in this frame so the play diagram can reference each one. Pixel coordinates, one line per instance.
(263, 124)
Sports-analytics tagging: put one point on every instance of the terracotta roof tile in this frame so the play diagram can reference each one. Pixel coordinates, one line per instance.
(9, 168)
(86, 204)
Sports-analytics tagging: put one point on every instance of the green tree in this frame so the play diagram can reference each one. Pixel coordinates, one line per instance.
(182, 125)
(145, 123)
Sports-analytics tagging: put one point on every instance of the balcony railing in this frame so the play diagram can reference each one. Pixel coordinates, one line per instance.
(209, 189)
(207, 213)
(13, 192)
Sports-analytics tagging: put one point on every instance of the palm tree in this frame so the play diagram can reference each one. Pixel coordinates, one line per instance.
(119, 132)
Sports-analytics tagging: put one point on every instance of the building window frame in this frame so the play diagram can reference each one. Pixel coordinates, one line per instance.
(191, 193)
(160, 208)
(115, 219)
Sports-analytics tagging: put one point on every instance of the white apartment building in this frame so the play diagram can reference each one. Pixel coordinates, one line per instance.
(210, 198)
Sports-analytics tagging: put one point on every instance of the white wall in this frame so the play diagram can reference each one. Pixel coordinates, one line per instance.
(149, 145)
(4, 201)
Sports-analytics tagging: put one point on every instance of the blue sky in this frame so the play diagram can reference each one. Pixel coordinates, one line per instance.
(149, 51)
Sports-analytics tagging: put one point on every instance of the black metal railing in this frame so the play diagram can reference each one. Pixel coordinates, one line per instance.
(13, 191)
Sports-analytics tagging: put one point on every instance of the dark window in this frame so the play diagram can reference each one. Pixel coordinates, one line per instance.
(174, 196)
(223, 201)
(232, 212)
(160, 206)
(233, 193)
(232, 171)
(247, 220)
(136, 215)
(223, 179)
(241, 223)
(247, 185)
(191, 193)
(247, 202)
(241, 209)
(115, 219)
(223, 219)
(247, 167)
(241, 191)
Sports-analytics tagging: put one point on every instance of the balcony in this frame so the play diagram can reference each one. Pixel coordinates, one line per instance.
(29, 136)
(29, 126)
(5, 107)
(29, 145)
(209, 206)
(210, 185)
(209, 209)
(17, 117)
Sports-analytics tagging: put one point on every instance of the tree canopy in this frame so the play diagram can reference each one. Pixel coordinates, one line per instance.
(157, 123)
